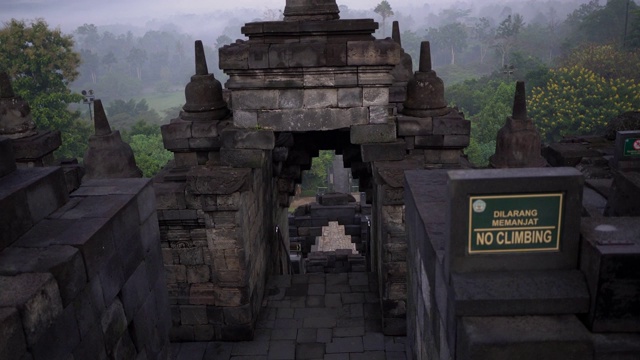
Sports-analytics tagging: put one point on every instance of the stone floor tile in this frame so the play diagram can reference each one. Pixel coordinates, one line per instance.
(307, 335)
(300, 279)
(391, 345)
(336, 289)
(319, 322)
(285, 313)
(316, 289)
(325, 335)
(356, 279)
(337, 279)
(315, 301)
(299, 302)
(317, 278)
(192, 351)
(371, 298)
(262, 334)
(348, 331)
(250, 348)
(373, 341)
(287, 323)
(279, 281)
(342, 356)
(174, 350)
(315, 312)
(279, 303)
(360, 288)
(332, 300)
(263, 357)
(352, 298)
(297, 290)
(218, 351)
(310, 351)
(351, 310)
(372, 325)
(265, 324)
(282, 350)
(347, 344)
(284, 334)
(350, 322)
(396, 355)
(368, 355)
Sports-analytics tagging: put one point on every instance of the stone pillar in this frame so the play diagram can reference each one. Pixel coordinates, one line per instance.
(401, 73)
(518, 141)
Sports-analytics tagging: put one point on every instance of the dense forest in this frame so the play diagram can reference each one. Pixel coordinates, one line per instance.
(581, 63)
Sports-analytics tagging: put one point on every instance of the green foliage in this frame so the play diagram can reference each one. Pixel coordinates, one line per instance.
(146, 142)
(606, 60)
(42, 63)
(450, 38)
(578, 101)
(123, 114)
(317, 176)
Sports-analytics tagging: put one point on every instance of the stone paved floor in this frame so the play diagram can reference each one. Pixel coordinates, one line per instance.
(311, 316)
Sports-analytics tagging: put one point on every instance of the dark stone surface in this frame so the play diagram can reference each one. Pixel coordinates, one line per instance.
(12, 342)
(610, 258)
(248, 139)
(383, 151)
(373, 133)
(7, 157)
(523, 337)
(36, 147)
(520, 293)
(623, 195)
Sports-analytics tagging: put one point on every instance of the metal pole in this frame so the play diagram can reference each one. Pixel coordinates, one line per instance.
(626, 22)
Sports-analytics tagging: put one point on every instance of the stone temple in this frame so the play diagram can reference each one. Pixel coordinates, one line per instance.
(205, 260)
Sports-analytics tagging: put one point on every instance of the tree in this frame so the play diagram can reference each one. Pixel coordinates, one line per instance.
(606, 60)
(384, 10)
(484, 34)
(42, 63)
(577, 101)
(223, 40)
(452, 37)
(146, 142)
(507, 34)
(137, 57)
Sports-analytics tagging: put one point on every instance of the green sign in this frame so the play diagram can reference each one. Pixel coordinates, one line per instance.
(514, 223)
(631, 147)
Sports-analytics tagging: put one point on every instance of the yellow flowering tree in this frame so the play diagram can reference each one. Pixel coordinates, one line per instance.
(577, 101)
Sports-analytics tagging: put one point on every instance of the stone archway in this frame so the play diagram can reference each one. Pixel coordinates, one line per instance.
(308, 83)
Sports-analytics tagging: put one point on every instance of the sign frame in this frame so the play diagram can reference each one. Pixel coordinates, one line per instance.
(557, 228)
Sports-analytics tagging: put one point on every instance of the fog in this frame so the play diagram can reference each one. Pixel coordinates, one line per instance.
(210, 18)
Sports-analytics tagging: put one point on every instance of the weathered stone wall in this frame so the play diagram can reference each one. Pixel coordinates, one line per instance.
(83, 280)
(219, 245)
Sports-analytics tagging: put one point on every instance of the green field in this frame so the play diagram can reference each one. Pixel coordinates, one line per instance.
(164, 101)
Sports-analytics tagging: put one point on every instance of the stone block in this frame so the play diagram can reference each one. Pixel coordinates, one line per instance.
(248, 139)
(445, 156)
(383, 151)
(230, 296)
(217, 180)
(193, 315)
(135, 291)
(373, 133)
(523, 337)
(448, 125)
(350, 97)
(202, 293)
(58, 341)
(243, 158)
(258, 56)
(617, 346)
(312, 119)
(92, 345)
(12, 341)
(336, 54)
(290, 98)
(255, 99)
(379, 114)
(610, 250)
(320, 98)
(198, 274)
(441, 141)
(238, 315)
(245, 118)
(111, 278)
(316, 79)
(89, 305)
(37, 298)
(414, 126)
(537, 293)
(567, 154)
(169, 195)
(311, 54)
(143, 328)
(63, 262)
(113, 324)
(234, 56)
(377, 52)
(34, 148)
(7, 160)
(375, 96)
